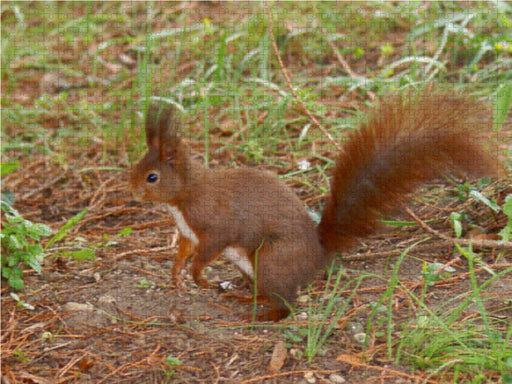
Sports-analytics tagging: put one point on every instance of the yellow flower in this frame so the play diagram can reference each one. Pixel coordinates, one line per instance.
(389, 73)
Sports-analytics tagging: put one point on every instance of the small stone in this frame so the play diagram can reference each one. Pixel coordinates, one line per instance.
(296, 353)
(304, 165)
(106, 299)
(355, 327)
(336, 379)
(226, 286)
(173, 318)
(310, 378)
(71, 306)
(360, 337)
(303, 299)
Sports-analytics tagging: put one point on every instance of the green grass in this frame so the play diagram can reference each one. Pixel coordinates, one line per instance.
(471, 347)
(233, 77)
(237, 108)
(323, 315)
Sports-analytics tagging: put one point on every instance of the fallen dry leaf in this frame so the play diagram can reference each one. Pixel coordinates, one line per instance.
(278, 357)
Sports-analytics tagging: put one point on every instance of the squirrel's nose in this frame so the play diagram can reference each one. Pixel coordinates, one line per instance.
(137, 196)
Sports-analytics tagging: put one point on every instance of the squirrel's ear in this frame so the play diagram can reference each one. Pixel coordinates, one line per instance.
(172, 155)
(161, 125)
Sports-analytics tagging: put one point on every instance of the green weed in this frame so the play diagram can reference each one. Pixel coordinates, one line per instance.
(21, 240)
(441, 340)
(20, 245)
(323, 315)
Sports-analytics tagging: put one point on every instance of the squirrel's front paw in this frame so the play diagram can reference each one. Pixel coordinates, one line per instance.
(201, 282)
(177, 282)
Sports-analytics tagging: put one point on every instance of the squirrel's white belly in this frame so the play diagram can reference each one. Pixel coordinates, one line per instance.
(236, 255)
(182, 225)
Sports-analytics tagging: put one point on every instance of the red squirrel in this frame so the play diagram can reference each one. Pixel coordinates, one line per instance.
(258, 223)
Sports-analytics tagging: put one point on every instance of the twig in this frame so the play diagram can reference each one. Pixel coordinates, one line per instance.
(464, 242)
(69, 365)
(217, 373)
(289, 82)
(143, 251)
(132, 365)
(355, 363)
(96, 199)
(368, 255)
(44, 186)
(346, 67)
(341, 60)
(283, 374)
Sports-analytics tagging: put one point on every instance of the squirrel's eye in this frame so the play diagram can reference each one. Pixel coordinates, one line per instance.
(152, 178)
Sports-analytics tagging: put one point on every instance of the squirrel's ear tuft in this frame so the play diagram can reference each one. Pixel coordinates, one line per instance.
(162, 121)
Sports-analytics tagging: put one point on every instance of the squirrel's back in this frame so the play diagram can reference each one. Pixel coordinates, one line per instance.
(406, 141)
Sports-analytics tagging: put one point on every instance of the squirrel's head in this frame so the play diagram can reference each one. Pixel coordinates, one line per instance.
(162, 172)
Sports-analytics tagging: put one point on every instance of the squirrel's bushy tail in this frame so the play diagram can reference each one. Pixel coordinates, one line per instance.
(406, 141)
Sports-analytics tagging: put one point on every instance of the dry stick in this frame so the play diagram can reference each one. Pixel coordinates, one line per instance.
(463, 242)
(289, 82)
(283, 374)
(354, 363)
(217, 373)
(341, 60)
(69, 365)
(372, 255)
(143, 251)
(43, 187)
(132, 365)
(96, 199)
(345, 65)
